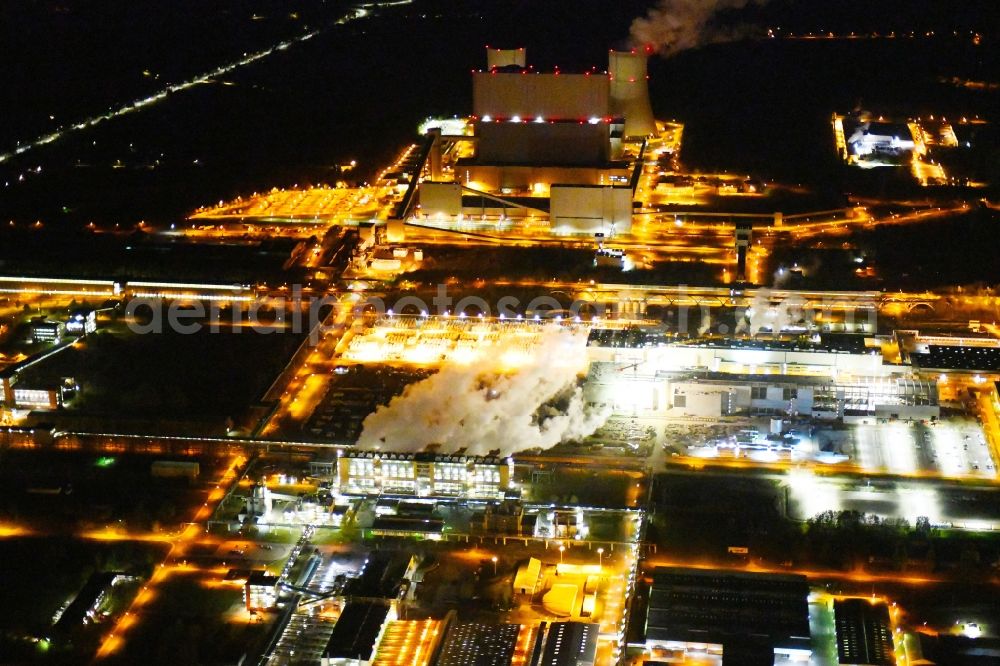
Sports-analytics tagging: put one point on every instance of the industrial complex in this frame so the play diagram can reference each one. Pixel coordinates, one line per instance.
(536, 393)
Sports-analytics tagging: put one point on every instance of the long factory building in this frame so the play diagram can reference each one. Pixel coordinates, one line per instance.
(423, 474)
(727, 617)
(832, 377)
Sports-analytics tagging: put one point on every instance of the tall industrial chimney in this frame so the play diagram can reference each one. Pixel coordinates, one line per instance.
(497, 58)
(630, 92)
(434, 159)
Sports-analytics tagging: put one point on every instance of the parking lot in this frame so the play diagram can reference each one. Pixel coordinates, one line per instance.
(956, 447)
(950, 448)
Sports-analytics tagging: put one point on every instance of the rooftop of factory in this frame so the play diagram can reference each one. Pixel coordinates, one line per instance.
(552, 164)
(262, 578)
(89, 595)
(900, 130)
(863, 633)
(900, 385)
(357, 628)
(481, 644)
(381, 577)
(941, 357)
(957, 650)
(629, 338)
(715, 606)
(530, 69)
(408, 524)
(554, 120)
(842, 343)
(426, 456)
(570, 643)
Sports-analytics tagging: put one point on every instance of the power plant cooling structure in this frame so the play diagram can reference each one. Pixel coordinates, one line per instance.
(630, 93)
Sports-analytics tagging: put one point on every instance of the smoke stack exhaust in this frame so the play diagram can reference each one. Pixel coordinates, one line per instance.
(630, 93)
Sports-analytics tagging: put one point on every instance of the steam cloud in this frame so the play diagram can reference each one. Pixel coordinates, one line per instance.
(486, 405)
(673, 26)
(761, 315)
(706, 322)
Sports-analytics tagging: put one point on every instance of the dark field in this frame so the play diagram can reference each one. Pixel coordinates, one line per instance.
(73, 491)
(188, 623)
(39, 575)
(203, 378)
(698, 517)
(759, 106)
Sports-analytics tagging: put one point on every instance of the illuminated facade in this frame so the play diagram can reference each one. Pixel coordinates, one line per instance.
(513, 93)
(88, 603)
(566, 146)
(881, 138)
(32, 398)
(856, 401)
(408, 643)
(423, 474)
(46, 331)
(15, 396)
(835, 377)
(82, 322)
(261, 591)
(629, 93)
(193, 291)
(508, 90)
(714, 395)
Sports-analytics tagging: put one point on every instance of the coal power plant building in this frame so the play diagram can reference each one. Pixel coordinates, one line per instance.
(563, 146)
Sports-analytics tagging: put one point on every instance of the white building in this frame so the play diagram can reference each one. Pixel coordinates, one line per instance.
(876, 137)
(838, 378)
(423, 474)
(557, 145)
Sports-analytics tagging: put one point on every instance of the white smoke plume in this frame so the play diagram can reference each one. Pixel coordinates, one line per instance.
(487, 404)
(673, 26)
(761, 315)
(706, 322)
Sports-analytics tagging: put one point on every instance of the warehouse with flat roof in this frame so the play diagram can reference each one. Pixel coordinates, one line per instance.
(356, 633)
(724, 612)
(864, 636)
(480, 644)
(569, 644)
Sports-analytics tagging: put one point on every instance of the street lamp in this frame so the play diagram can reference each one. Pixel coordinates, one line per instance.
(562, 549)
(494, 558)
(600, 558)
